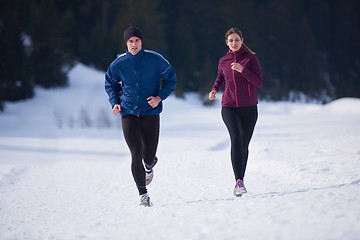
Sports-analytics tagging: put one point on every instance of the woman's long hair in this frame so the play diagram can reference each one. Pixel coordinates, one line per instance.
(238, 32)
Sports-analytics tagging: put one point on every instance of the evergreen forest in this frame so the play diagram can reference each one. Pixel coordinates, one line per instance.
(305, 47)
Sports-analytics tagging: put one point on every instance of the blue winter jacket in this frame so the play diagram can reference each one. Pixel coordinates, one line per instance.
(131, 79)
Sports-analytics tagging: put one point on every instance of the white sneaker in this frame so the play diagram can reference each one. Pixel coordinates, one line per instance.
(149, 174)
(145, 200)
(239, 188)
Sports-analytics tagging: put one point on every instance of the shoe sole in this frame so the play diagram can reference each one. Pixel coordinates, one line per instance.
(240, 193)
(146, 205)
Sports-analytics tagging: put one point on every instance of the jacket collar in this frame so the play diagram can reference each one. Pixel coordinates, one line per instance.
(136, 56)
(241, 50)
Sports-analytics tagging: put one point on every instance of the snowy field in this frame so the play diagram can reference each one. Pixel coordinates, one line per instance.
(65, 171)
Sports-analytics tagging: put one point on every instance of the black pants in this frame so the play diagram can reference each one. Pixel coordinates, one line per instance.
(240, 123)
(142, 137)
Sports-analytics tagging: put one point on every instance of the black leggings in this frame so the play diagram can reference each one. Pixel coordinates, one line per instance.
(142, 137)
(240, 123)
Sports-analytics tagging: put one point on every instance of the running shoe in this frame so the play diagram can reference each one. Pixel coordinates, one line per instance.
(145, 200)
(239, 188)
(149, 174)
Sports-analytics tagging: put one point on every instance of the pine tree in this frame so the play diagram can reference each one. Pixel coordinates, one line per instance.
(185, 52)
(15, 82)
(146, 15)
(207, 78)
(50, 60)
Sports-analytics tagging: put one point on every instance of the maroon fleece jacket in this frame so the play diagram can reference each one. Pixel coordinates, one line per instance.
(240, 88)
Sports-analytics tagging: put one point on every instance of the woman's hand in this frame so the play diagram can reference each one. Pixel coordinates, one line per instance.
(116, 109)
(212, 95)
(237, 66)
(153, 101)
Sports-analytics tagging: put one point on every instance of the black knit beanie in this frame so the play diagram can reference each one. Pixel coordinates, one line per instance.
(132, 31)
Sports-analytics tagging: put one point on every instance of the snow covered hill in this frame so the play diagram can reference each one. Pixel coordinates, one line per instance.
(65, 171)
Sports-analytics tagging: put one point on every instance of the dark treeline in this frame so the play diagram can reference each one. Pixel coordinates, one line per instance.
(304, 46)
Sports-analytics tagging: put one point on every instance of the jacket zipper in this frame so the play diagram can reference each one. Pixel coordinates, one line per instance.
(138, 88)
(236, 97)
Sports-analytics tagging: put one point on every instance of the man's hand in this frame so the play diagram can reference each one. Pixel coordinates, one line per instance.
(116, 109)
(153, 101)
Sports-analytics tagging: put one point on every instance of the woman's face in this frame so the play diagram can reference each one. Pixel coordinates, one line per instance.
(234, 42)
(134, 45)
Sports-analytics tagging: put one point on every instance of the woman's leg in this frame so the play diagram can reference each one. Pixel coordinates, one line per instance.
(233, 124)
(248, 117)
(131, 126)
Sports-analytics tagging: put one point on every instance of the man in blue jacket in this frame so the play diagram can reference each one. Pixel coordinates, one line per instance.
(137, 83)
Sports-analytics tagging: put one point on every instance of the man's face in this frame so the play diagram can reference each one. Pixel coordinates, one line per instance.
(134, 45)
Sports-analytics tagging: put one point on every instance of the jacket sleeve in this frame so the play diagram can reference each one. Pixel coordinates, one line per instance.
(113, 87)
(167, 73)
(219, 82)
(254, 74)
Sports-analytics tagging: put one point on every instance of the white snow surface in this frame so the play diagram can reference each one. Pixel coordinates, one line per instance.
(65, 170)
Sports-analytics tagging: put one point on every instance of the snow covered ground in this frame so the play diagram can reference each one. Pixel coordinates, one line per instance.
(65, 171)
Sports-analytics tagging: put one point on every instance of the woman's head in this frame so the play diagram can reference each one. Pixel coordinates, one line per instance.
(234, 40)
(232, 31)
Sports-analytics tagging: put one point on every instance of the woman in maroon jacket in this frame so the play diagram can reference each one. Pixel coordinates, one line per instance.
(240, 70)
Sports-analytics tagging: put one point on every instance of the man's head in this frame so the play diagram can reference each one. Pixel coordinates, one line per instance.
(133, 37)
